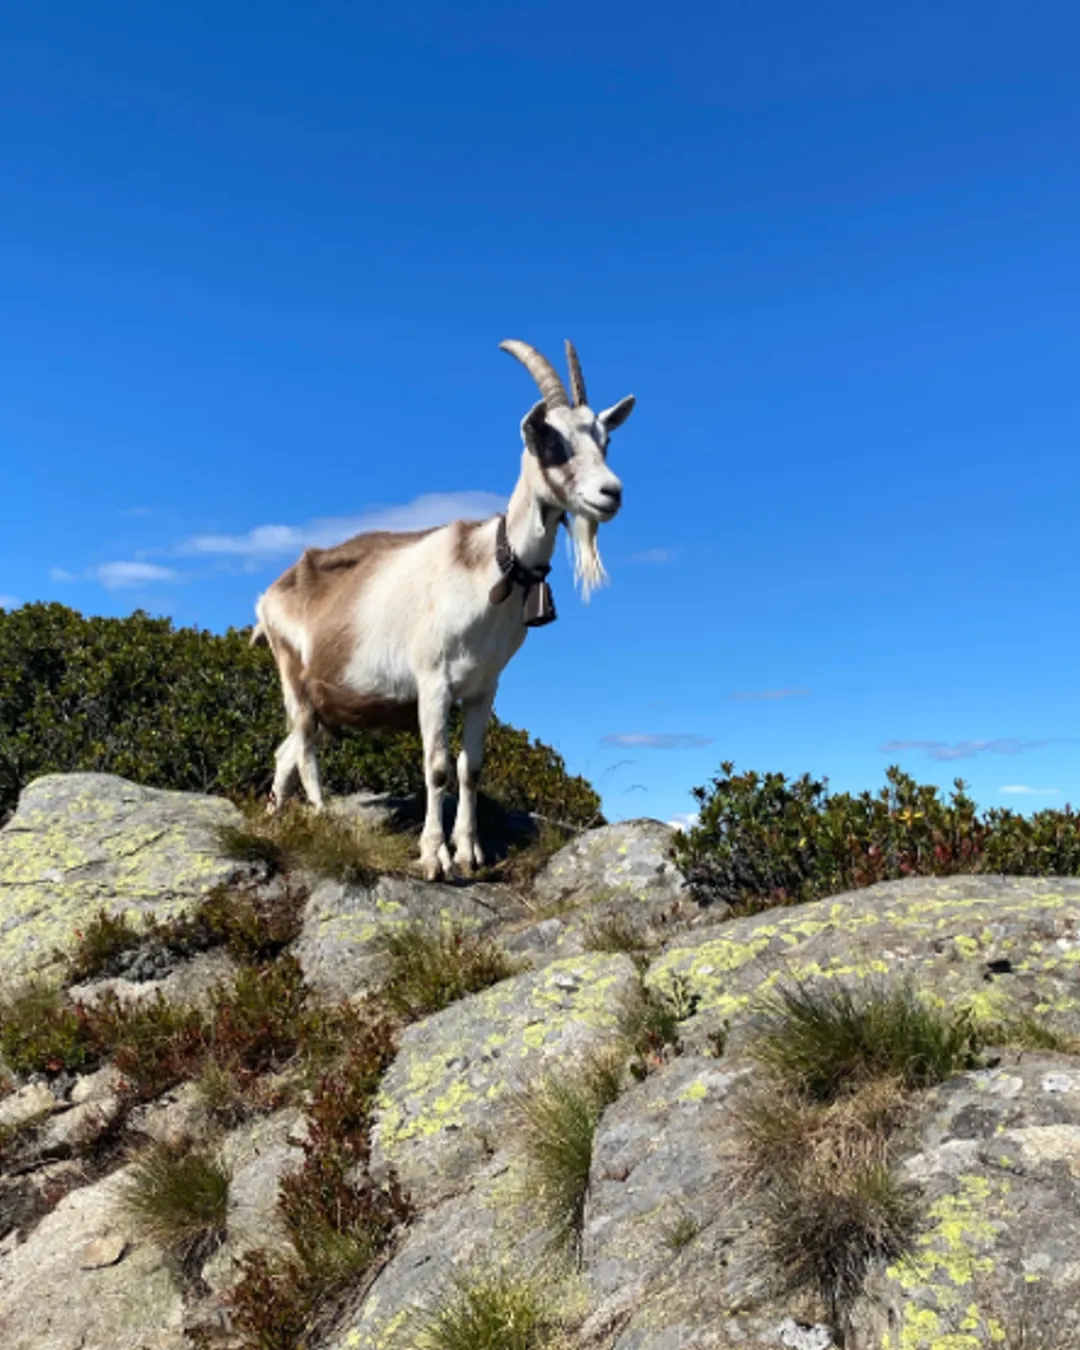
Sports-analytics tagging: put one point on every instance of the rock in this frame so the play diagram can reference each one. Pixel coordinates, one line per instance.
(337, 947)
(51, 1300)
(189, 981)
(446, 1103)
(629, 860)
(998, 1256)
(996, 945)
(256, 1157)
(78, 842)
(81, 1126)
(102, 1252)
(28, 1103)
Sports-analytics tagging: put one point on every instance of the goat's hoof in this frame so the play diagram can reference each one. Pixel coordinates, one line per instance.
(437, 866)
(271, 805)
(468, 855)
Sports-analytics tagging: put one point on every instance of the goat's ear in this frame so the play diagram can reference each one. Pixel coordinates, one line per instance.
(611, 418)
(532, 428)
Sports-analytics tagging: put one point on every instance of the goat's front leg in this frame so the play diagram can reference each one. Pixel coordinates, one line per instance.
(475, 715)
(434, 708)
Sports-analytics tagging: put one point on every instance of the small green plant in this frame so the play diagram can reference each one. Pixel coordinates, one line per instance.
(180, 1201)
(558, 1117)
(489, 1310)
(99, 943)
(42, 1032)
(255, 928)
(680, 1231)
(430, 967)
(649, 1019)
(827, 1038)
(615, 933)
(1025, 1032)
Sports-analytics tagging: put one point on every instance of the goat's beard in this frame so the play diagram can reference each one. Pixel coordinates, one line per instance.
(588, 569)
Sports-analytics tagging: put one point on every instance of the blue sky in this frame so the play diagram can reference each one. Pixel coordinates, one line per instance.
(256, 261)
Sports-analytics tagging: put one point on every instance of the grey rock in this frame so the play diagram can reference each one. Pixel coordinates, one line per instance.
(28, 1103)
(447, 1101)
(337, 948)
(629, 860)
(78, 842)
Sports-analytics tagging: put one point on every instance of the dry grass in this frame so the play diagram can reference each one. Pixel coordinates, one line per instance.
(558, 1116)
(828, 1201)
(615, 933)
(841, 1067)
(348, 850)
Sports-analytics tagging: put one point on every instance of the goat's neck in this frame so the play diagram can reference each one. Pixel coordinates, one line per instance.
(531, 527)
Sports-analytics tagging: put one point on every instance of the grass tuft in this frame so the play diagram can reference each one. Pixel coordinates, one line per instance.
(615, 933)
(347, 850)
(489, 1310)
(431, 967)
(824, 1039)
(558, 1115)
(649, 1021)
(180, 1201)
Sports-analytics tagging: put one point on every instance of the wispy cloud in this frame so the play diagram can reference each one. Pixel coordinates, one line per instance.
(655, 555)
(9, 602)
(644, 740)
(1020, 790)
(942, 750)
(136, 511)
(267, 542)
(768, 695)
(115, 576)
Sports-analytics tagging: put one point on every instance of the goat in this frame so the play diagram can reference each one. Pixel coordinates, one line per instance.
(391, 629)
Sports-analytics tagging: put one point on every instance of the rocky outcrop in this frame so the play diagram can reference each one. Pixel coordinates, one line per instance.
(81, 841)
(670, 1253)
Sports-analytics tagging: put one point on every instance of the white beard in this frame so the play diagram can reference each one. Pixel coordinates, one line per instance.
(588, 569)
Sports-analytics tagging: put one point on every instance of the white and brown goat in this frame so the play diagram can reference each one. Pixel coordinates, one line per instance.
(391, 629)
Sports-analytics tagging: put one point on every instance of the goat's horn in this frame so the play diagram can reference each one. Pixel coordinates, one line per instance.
(577, 380)
(542, 371)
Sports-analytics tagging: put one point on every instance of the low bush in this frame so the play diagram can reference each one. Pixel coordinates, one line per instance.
(761, 840)
(185, 708)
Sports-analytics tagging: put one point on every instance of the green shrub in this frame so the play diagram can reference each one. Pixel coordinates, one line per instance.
(43, 1032)
(761, 840)
(185, 708)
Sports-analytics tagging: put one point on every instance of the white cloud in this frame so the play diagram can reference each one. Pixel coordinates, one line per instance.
(115, 576)
(768, 695)
(941, 750)
(9, 602)
(645, 740)
(266, 542)
(654, 555)
(685, 820)
(1020, 790)
(136, 511)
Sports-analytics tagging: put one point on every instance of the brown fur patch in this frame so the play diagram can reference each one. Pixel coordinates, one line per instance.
(469, 548)
(319, 590)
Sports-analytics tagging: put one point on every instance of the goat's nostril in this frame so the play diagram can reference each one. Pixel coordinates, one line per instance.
(613, 493)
